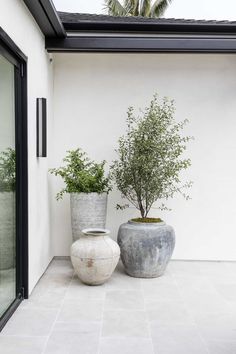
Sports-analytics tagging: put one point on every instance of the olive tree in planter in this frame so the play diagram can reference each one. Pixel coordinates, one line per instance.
(88, 187)
(7, 208)
(150, 160)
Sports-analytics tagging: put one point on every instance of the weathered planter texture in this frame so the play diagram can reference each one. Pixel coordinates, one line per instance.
(7, 230)
(88, 210)
(146, 248)
(94, 256)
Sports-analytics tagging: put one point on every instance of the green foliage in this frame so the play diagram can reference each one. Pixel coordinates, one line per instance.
(81, 175)
(150, 157)
(8, 170)
(145, 8)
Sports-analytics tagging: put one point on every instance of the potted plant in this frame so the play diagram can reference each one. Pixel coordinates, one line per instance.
(7, 208)
(88, 187)
(150, 160)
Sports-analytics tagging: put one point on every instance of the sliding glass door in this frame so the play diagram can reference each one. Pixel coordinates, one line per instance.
(7, 185)
(13, 178)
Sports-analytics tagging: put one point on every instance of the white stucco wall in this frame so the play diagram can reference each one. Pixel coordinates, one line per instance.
(19, 24)
(92, 93)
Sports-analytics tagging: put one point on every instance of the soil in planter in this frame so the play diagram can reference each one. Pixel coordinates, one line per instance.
(147, 220)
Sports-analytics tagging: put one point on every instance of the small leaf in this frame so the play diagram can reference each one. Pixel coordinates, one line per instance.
(122, 207)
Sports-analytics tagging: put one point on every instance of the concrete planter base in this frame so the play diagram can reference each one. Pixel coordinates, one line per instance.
(146, 248)
(94, 256)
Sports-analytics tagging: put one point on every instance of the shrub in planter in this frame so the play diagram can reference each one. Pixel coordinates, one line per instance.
(88, 187)
(7, 208)
(150, 160)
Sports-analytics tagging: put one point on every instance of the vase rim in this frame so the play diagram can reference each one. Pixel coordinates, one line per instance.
(95, 231)
(89, 193)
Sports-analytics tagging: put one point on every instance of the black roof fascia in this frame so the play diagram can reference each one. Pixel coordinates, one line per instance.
(151, 28)
(142, 44)
(47, 17)
(105, 23)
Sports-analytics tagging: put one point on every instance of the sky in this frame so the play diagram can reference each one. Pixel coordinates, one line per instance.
(200, 9)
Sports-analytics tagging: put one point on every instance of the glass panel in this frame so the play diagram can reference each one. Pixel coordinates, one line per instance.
(7, 186)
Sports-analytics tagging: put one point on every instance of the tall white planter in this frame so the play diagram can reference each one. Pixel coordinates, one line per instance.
(7, 230)
(88, 210)
(94, 256)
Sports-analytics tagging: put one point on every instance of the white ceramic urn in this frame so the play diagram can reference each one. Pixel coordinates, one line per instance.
(94, 256)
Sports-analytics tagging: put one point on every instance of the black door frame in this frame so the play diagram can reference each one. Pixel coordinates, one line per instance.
(9, 50)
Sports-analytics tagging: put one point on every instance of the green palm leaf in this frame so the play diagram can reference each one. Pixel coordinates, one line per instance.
(115, 8)
(145, 8)
(159, 7)
(137, 7)
(132, 7)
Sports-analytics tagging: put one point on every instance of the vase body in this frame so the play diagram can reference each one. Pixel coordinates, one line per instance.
(94, 256)
(7, 230)
(146, 248)
(88, 210)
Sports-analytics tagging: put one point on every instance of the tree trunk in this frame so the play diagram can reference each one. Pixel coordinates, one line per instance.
(142, 211)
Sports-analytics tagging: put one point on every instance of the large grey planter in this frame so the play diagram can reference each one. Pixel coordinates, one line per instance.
(146, 248)
(88, 210)
(7, 230)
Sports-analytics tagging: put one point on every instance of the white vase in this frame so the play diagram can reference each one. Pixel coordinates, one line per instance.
(94, 256)
(88, 210)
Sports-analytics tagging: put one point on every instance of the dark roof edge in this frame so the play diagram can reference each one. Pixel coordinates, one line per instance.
(164, 28)
(114, 44)
(103, 23)
(46, 17)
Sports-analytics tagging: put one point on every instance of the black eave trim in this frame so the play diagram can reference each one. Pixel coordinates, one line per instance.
(172, 35)
(142, 44)
(47, 17)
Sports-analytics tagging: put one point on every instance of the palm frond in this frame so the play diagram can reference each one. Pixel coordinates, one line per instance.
(137, 7)
(145, 8)
(132, 7)
(115, 8)
(159, 7)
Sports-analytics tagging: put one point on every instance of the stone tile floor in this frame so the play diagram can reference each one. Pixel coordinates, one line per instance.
(190, 310)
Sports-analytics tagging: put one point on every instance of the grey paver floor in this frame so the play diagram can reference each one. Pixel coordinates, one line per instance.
(191, 309)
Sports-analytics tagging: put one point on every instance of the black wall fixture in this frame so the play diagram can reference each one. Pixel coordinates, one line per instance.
(41, 127)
